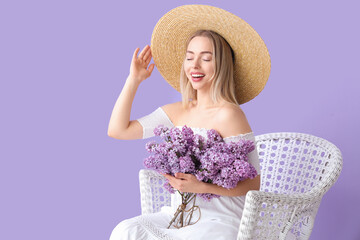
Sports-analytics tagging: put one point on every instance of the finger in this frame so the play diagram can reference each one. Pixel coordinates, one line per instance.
(135, 53)
(151, 68)
(148, 61)
(141, 55)
(180, 175)
(172, 178)
(169, 177)
(147, 54)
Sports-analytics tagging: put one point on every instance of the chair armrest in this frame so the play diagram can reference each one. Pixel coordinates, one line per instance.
(268, 215)
(153, 194)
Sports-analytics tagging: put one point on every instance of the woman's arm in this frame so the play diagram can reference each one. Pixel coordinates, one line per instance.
(241, 189)
(120, 126)
(189, 183)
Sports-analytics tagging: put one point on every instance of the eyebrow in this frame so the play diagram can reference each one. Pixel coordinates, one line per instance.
(203, 52)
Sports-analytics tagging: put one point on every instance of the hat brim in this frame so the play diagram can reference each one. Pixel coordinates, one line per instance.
(252, 59)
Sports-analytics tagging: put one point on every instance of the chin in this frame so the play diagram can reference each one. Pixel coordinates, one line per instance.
(196, 86)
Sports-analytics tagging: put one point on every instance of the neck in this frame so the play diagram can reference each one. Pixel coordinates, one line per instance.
(204, 101)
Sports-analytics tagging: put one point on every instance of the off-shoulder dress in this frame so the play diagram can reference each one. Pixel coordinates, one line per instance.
(220, 218)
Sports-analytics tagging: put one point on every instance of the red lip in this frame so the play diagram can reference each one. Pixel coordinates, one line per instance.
(197, 79)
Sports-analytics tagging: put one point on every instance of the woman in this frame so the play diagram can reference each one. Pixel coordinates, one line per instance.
(209, 101)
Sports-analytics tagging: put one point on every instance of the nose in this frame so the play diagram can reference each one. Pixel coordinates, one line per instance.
(196, 62)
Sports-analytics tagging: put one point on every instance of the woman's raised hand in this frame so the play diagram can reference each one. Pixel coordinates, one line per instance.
(139, 70)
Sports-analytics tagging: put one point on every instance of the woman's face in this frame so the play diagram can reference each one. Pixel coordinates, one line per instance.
(199, 62)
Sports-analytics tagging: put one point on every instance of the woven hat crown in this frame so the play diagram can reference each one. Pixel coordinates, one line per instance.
(252, 60)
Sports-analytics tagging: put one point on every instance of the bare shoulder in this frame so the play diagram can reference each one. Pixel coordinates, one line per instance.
(171, 106)
(172, 109)
(232, 121)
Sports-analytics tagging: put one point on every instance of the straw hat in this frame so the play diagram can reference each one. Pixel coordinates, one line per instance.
(252, 60)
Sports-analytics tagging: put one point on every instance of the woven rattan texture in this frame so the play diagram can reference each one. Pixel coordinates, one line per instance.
(153, 195)
(296, 171)
(252, 59)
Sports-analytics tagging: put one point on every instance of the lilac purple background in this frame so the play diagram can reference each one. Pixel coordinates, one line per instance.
(63, 65)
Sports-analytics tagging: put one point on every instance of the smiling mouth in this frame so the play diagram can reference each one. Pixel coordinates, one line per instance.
(197, 75)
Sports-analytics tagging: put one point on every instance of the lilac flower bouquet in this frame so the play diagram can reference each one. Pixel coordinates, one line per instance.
(211, 160)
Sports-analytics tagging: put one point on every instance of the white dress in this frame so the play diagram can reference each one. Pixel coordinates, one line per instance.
(220, 218)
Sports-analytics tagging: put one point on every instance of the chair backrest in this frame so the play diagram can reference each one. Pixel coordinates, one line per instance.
(297, 169)
(297, 163)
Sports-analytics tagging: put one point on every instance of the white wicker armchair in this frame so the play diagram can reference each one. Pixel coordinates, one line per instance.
(296, 171)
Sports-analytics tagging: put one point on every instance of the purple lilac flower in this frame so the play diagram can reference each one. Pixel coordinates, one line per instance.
(186, 164)
(213, 136)
(208, 196)
(211, 160)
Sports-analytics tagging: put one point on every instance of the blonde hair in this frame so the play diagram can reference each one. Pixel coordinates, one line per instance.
(222, 85)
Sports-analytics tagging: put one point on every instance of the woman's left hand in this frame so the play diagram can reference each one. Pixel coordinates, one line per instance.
(186, 183)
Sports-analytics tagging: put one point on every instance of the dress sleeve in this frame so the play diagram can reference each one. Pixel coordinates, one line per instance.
(254, 155)
(152, 120)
